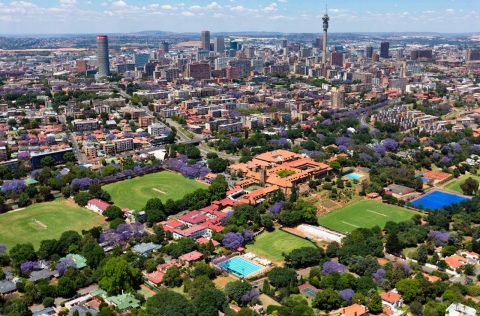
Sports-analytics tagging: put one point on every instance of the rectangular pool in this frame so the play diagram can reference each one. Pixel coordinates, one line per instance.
(437, 200)
(354, 176)
(240, 266)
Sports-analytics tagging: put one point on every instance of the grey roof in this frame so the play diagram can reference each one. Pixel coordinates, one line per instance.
(145, 248)
(41, 275)
(7, 287)
(45, 312)
(82, 310)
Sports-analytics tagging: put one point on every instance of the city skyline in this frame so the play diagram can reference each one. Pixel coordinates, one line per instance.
(287, 16)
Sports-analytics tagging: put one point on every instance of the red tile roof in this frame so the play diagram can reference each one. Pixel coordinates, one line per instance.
(191, 256)
(391, 297)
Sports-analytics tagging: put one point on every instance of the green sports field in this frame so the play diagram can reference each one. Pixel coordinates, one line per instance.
(271, 245)
(45, 221)
(135, 193)
(455, 184)
(364, 214)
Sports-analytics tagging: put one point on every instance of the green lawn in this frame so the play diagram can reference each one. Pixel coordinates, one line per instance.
(135, 193)
(455, 184)
(45, 221)
(365, 214)
(272, 245)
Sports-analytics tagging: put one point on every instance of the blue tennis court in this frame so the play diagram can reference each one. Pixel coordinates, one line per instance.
(240, 266)
(437, 200)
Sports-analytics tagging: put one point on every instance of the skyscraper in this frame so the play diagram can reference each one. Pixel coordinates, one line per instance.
(165, 47)
(206, 40)
(324, 45)
(384, 50)
(336, 59)
(140, 59)
(219, 44)
(103, 61)
(369, 51)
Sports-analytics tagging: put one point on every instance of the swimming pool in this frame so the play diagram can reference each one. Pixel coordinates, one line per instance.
(437, 200)
(354, 176)
(240, 266)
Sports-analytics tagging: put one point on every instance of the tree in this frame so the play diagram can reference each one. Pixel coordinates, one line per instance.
(117, 275)
(48, 247)
(409, 288)
(169, 303)
(172, 277)
(375, 303)
(236, 289)
(92, 251)
(209, 302)
(304, 257)
(68, 242)
(112, 212)
(233, 240)
(82, 198)
(65, 287)
(217, 165)
(47, 161)
(21, 253)
(470, 186)
(362, 242)
(392, 244)
(282, 277)
(327, 300)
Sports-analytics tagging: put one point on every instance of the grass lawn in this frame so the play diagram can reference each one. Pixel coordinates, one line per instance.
(271, 244)
(454, 185)
(135, 193)
(45, 221)
(365, 214)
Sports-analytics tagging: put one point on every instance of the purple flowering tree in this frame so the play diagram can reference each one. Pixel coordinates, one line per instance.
(275, 208)
(438, 237)
(28, 266)
(247, 235)
(14, 185)
(63, 265)
(81, 183)
(389, 144)
(23, 155)
(333, 267)
(346, 294)
(379, 276)
(250, 295)
(233, 240)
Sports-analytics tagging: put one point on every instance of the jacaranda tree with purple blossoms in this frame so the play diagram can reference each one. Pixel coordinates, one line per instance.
(233, 240)
(330, 267)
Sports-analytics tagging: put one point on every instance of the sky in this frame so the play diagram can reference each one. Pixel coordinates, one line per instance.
(289, 16)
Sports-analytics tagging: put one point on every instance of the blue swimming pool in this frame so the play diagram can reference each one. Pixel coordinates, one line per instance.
(240, 266)
(354, 176)
(437, 200)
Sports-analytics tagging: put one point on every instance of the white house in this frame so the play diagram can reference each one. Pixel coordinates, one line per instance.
(460, 310)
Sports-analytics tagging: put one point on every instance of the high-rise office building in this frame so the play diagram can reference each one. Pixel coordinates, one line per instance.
(198, 71)
(219, 44)
(165, 46)
(206, 40)
(336, 59)
(318, 43)
(140, 59)
(384, 50)
(421, 54)
(284, 43)
(103, 61)
(472, 54)
(369, 51)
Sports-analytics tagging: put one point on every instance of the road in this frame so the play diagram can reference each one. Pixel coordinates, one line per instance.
(81, 158)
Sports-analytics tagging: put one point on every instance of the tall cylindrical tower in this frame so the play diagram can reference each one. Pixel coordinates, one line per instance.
(325, 34)
(103, 61)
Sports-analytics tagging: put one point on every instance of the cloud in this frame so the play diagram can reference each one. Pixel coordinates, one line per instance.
(188, 13)
(119, 4)
(271, 7)
(67, 3)
(168, 7)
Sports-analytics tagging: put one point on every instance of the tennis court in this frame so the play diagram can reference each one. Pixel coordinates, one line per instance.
(437, 200)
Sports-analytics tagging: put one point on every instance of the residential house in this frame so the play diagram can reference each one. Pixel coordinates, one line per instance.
(457, 309)
(392, 298)
(97, 205)
(354, 310)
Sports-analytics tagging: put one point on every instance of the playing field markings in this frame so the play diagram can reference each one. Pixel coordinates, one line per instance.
(159, 191)
(40, 224)
(353, 225)
(377, 213)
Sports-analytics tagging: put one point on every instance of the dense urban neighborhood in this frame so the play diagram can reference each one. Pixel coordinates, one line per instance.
(240, 174)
